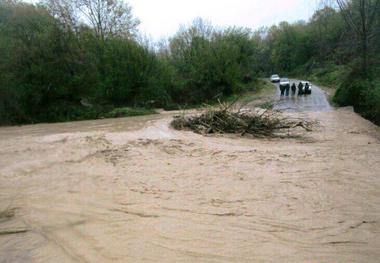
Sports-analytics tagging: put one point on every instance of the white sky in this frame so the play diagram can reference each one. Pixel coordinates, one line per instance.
(161, 18)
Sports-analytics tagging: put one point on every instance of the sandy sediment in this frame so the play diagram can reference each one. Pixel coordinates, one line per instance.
(133, 190)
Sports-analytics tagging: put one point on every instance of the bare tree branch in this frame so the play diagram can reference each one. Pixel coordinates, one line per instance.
(359, 15)
(106, 17)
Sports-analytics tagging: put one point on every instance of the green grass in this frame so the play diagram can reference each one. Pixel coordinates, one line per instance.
(261, 95)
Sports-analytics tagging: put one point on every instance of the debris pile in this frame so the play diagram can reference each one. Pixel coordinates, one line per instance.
(222, 120)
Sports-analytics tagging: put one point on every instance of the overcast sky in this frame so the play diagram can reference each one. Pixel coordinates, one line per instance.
(161, 18)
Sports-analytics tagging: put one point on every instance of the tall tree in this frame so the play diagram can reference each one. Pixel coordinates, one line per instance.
(360, 17)
(108, 18)
(64, 11)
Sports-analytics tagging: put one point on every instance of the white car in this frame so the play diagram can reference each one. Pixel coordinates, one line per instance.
(284, 82)
(304, 91)
(275, 78)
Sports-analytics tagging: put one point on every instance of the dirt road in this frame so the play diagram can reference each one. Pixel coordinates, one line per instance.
(133, 190)
(317, 101)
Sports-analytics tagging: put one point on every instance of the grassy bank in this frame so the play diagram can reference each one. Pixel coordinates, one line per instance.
(261, 94)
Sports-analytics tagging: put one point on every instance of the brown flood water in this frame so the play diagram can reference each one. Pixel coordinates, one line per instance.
(133, 190)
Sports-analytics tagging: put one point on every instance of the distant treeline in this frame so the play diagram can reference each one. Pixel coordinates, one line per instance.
(70, 60)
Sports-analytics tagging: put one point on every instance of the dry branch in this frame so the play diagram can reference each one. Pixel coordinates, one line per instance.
(265, 123)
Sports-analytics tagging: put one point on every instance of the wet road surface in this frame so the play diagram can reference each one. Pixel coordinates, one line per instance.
(317, 101)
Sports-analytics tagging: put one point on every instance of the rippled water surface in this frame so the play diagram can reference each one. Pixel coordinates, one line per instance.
(133, 190)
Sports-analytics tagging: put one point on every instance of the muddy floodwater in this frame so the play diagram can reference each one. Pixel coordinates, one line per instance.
(134, 190)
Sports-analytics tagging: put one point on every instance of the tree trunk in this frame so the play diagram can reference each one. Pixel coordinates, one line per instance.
(364, 54)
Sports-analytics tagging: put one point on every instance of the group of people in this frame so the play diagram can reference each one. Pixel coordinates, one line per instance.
(285, 90)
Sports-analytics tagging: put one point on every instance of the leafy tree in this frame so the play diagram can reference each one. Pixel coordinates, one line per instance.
(210, 62)
(326, 27)
(108, 18)
(360, 16)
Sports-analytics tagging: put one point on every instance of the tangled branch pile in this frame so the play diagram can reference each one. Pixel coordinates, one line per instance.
(265, 123)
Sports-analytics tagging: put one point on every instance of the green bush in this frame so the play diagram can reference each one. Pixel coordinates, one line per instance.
(210, 63)
(349, 91)
(363, 94)
(132, 74)
(330, 75)
(369, 105)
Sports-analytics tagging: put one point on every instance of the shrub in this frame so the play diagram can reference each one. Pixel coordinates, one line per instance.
(369, 105)
(348, 93)
(363, 94)
(330, 74)
(210, 63)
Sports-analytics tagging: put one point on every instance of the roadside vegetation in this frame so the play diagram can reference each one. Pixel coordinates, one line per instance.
(72, 60)
(262, 97)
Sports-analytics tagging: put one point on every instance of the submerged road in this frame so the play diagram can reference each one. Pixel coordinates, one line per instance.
(317, 101)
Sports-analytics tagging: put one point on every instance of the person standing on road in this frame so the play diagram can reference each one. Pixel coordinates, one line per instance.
(294, 89)
(307, 88)
(282, 89)
(287, 89)
(300, 87)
